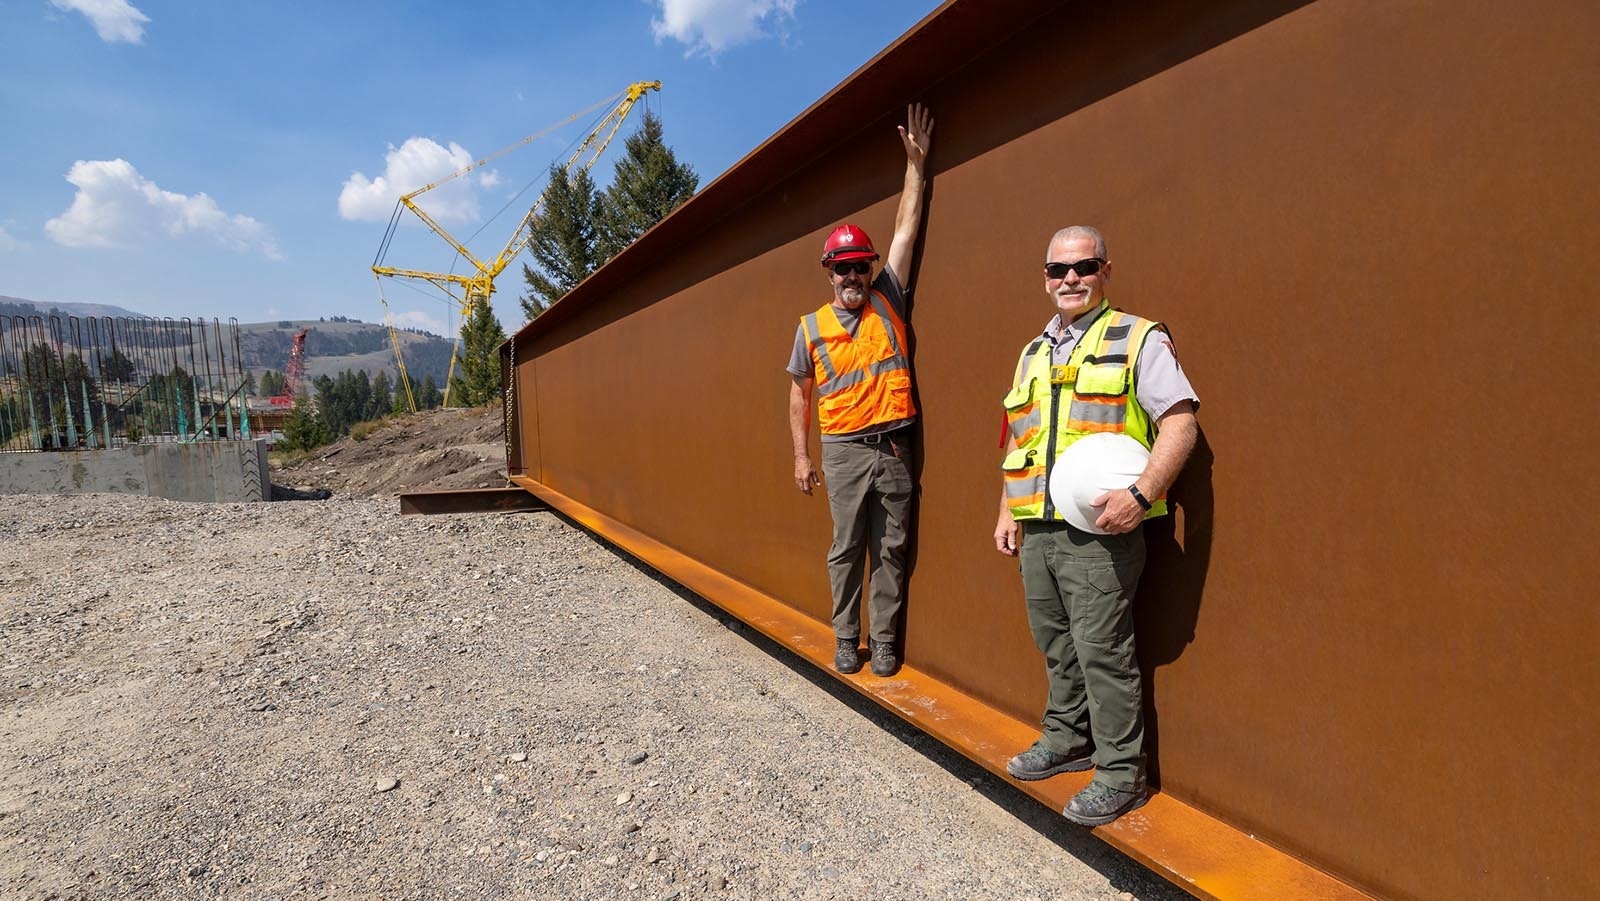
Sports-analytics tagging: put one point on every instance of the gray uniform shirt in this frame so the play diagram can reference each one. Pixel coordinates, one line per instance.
(1159, 382)
(800, 365)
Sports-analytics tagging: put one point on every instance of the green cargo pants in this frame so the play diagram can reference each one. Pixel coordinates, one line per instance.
(1079, 589)
(869, 494)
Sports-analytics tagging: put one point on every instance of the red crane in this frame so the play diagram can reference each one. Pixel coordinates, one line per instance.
(295, 372)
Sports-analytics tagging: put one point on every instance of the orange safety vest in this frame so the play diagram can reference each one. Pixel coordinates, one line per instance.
(862, 380)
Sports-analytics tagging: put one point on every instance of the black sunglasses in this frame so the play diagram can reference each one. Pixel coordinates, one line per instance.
(1084, 268)
(861, 267)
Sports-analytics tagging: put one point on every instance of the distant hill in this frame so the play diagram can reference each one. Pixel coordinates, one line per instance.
(21, 306)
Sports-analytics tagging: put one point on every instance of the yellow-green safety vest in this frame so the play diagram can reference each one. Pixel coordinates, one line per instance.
(1098, 389)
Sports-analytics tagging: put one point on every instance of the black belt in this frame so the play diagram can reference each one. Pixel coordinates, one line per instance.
(878, 437)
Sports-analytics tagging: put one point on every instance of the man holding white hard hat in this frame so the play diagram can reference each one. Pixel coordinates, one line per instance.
(1100, 419)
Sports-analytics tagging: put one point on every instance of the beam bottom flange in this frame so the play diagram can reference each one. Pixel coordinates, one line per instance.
(1199, 853)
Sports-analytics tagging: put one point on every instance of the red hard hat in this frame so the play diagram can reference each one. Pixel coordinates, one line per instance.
(847, 242)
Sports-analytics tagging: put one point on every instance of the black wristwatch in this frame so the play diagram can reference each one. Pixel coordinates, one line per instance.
(1134, 490)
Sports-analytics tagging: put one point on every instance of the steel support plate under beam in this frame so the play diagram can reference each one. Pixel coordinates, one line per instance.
(469, 500)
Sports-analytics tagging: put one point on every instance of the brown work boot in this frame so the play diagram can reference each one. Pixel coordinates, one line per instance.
(883, 660)
(845, 658)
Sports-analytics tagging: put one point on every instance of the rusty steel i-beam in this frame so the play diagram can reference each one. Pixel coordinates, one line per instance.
(1368, 631)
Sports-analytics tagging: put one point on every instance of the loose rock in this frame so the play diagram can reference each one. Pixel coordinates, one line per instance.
(441, 648)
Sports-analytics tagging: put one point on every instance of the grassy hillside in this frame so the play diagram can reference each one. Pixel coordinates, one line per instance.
(332, 347)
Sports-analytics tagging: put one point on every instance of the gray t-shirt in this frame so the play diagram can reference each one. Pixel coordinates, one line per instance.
(888, 284)
(1159, 381)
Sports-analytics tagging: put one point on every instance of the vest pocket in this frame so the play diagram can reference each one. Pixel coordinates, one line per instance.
(1017, 461)
(1101, 381)
(1019, 396)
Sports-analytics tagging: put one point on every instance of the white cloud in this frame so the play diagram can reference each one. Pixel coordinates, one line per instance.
(490, 179)
(708, 27)
(116, 207)
(113, 20)
(406, 168)
(420, 319)
(7, 242)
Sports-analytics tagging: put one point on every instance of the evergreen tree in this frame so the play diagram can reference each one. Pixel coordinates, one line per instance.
(360, 397)
(272, 383)
(116, 366)
(649, 183)
(565, 240)
(430, 396)
(304, 430)
(329, 407)
(401, 404)
(382, 396)
(477, 379)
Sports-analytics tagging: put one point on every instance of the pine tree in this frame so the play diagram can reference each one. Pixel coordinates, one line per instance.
(649, 183)
(565, 240)
(382, 395)
(360, 398)
(304, 430)
(402, 403)
(330, 408)
(477, 379)
(430, 396)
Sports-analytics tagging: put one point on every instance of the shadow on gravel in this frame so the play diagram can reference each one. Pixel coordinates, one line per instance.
(282, 493)
(1123, 872)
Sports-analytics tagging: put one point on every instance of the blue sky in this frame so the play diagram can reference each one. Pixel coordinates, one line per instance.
(189, 159)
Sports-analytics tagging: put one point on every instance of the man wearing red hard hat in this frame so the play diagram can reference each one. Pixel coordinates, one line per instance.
(853, 352)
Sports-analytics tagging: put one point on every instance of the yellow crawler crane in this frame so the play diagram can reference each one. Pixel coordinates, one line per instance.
(479, 285)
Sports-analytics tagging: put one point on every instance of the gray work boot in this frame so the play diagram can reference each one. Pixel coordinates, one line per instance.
(883, 660)
(845, 658)
(1099, 804)
(1039, 762)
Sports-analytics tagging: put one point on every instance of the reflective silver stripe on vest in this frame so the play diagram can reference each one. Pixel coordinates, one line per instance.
(888, 364)
(888, 324)
(1104, 414)
(836, 382)
(1020, 427)
(819, 347)
(1022, 486)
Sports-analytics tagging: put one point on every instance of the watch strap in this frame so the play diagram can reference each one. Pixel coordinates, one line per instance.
(1134, 490)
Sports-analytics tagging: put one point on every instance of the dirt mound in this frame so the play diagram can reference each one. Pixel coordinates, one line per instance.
(444, 448)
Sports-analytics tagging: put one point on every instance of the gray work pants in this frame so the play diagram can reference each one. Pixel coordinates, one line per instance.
(1079, 589)
(869, 494)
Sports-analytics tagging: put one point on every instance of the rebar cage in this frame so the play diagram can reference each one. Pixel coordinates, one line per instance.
(72, 384)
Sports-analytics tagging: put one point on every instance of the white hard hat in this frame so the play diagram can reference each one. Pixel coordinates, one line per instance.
(1088, 468)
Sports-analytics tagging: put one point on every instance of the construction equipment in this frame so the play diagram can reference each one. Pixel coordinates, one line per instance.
(476, 288)
(294, 375)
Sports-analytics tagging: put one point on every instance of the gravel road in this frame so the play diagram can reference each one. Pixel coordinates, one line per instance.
(327, 700)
